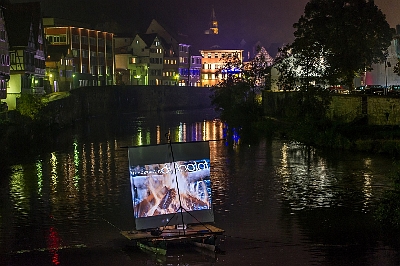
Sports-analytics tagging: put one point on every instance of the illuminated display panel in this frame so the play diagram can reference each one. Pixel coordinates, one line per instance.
(170, 186)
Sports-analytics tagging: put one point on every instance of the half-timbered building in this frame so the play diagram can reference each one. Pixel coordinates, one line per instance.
(27, 50)
(4, 57)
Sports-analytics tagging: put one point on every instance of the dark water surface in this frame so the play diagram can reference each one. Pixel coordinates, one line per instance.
(279, 202)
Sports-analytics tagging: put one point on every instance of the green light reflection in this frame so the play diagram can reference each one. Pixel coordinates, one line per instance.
(39, 173)
(54, 175)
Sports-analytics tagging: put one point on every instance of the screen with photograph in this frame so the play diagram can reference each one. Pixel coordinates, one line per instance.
(170, 184)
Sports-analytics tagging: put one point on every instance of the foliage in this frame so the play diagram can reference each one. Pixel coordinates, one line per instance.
(238, 95)
(335, 40)
(308, 114)
(29, 105)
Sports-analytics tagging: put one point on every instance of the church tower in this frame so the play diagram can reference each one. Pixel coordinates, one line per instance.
(213, 24)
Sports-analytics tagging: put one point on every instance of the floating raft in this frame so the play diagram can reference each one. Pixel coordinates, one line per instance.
(203, 235)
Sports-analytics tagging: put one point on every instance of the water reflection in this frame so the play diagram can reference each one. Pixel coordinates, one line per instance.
(308, 182)
(273, 198)
(18, 190)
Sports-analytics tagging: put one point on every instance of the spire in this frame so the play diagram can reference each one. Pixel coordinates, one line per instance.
(213, 24)
(213, 17)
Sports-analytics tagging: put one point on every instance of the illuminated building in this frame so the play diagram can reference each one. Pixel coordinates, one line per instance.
(195, 71)
(123, 75)
(179, 50)
(86, 55)
(26, 50)
(4, 57)
(212, 62)
(147, 59)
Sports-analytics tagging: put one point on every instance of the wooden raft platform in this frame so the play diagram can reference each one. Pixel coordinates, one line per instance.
(191, 233)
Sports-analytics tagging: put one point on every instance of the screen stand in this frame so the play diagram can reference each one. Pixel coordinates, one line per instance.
(180, 209)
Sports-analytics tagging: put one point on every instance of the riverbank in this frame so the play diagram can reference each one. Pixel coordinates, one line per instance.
(338, 136)
(350, 122)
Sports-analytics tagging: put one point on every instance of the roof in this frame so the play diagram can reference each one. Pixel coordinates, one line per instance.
(148, 38)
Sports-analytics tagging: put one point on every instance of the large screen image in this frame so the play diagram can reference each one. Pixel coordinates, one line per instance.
(165, 191)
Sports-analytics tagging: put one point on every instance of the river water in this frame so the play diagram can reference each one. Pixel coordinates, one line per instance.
(279, 202)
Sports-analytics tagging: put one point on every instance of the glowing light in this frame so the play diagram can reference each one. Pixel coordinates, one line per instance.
(148, 138)
(138, 140)
(158, 135)
(17, 189)
(54, 175)
(182, 132)
(204, 131)
(76, 164)
(53, 242)
(39, 173)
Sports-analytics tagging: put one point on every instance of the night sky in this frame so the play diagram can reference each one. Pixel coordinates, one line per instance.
(268, 21)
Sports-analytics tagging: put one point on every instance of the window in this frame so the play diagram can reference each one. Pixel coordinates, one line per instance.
(75, 38)
(216, 55)
(55, 39)
(12, 58)
(75, 53)
(209, 55)
(84, 39)
(85, 53)
(68, 74)
(3, 35)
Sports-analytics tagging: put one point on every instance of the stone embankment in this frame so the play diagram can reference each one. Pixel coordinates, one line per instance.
(378, 110)
(89, 102)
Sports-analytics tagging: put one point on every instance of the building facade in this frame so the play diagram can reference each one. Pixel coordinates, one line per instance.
(26, 50)
(195, 71)
(4, 57)
(87, 57)
(179, 49)
(213, 61)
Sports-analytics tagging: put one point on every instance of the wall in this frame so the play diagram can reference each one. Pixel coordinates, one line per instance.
(88, 102)
(379, 110)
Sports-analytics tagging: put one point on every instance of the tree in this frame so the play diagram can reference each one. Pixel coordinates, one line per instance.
(238, 95)
(335, 40)
(29, 105)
